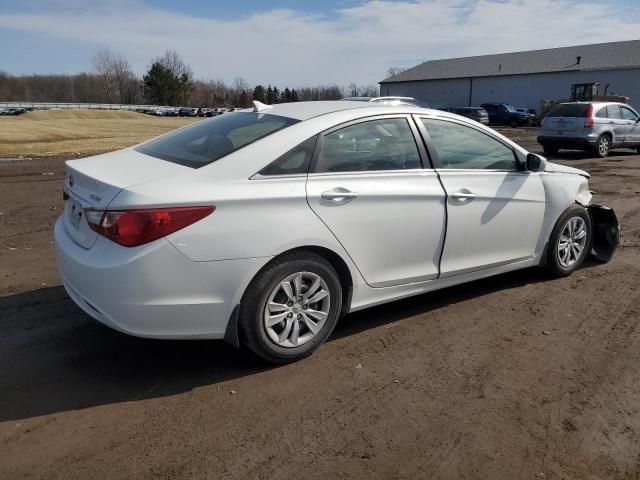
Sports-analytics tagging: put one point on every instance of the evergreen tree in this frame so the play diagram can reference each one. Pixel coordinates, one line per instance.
(294, 96)
(259, 94)
(160, 85)
(276, 95)
(287, 94)
(269, 95)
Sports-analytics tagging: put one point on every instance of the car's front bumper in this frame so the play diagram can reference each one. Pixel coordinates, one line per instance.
(152, 290)
(606, 232)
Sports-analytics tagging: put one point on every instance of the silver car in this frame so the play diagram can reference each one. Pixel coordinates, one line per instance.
(596, 127)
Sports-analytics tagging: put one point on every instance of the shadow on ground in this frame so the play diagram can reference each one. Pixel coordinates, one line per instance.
(54, 358)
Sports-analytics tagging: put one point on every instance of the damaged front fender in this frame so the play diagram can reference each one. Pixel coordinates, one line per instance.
(606, 232)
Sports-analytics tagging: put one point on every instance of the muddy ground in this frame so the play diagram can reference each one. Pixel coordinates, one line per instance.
(513, 377)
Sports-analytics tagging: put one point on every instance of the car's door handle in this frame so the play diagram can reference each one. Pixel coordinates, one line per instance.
(463, 195)
(338, 194)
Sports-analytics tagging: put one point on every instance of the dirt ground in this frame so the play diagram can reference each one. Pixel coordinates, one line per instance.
(513, 377)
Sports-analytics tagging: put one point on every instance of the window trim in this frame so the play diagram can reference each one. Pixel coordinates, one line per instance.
(422, 152)
(433, 152)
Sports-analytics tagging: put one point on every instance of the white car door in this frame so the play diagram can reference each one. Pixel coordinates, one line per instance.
(494, 210)
(367, 184)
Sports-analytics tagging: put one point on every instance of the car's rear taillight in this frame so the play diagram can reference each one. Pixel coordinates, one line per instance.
(131, 228)
(589, 121)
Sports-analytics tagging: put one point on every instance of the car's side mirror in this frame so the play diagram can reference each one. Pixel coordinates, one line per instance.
(535, 163)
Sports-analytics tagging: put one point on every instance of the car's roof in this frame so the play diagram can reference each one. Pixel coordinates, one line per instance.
(307, 110)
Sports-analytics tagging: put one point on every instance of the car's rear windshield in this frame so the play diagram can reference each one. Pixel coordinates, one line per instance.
(209, 140)
(569, 110)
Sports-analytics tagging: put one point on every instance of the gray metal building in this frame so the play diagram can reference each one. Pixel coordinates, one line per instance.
(521, 78)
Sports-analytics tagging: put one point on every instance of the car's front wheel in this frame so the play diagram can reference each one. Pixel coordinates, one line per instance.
(291, 307)
(570, 241)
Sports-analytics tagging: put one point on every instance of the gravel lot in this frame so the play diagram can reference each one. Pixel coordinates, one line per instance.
(513, 377)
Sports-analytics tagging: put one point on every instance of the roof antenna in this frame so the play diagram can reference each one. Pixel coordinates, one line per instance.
(260, 107)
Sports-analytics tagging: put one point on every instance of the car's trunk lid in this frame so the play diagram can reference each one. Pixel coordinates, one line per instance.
(95, 181)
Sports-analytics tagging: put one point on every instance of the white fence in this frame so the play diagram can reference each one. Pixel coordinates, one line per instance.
(90, 106)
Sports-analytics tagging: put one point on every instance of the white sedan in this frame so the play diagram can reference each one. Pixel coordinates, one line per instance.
(266, 226)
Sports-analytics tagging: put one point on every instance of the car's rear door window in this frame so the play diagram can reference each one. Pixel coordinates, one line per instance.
(295, 162)
(209, 140)
(382, 144)
(613, 111)
(462, 147)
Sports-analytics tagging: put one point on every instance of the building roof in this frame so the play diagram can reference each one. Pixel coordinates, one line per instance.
(600, 56)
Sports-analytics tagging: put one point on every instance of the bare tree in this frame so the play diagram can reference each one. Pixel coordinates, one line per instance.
(393, 71)
(117, 76)
(180, 71)
(239, 85)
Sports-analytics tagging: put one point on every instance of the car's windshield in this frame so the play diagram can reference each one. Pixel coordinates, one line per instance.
(510, 108)
(209, 140)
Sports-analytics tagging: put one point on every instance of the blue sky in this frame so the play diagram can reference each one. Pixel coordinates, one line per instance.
(297, 42)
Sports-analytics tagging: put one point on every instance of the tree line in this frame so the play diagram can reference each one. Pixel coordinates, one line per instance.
(167, 81)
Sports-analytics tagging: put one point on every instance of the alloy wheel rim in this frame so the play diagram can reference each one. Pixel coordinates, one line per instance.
(604, 145)
(572, 242)
(297, 309)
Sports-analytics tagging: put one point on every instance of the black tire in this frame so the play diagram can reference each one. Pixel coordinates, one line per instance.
(253, 330)
(553, 263)
(550, 149)
(603, 146)
(513, 123)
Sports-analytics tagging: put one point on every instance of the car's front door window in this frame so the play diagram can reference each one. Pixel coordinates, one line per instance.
(628, 114)
(382, 144)
(462, 147)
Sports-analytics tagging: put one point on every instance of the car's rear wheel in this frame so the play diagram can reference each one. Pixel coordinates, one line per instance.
(550, 149)
(291, 307)
(603, 146)
(570, 241)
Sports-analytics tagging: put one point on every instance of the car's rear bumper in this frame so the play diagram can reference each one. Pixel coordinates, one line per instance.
(566, 141)
(153, 290)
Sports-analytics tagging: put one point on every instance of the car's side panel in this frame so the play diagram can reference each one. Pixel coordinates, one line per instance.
(394, 229)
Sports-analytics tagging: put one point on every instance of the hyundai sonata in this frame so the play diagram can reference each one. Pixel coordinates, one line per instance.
(266, 225)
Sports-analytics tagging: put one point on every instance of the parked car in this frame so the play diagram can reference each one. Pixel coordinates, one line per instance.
(505, 114)
(14, 111)
(4, 110)
(187, 112)
(478, 114)
(533, 116)
(266, 226)
(597, 127)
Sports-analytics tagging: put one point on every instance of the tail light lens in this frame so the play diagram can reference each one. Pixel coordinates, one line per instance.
(589, 121)
(131, 228)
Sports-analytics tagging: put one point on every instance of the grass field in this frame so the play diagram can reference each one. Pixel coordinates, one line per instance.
(79, 132)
